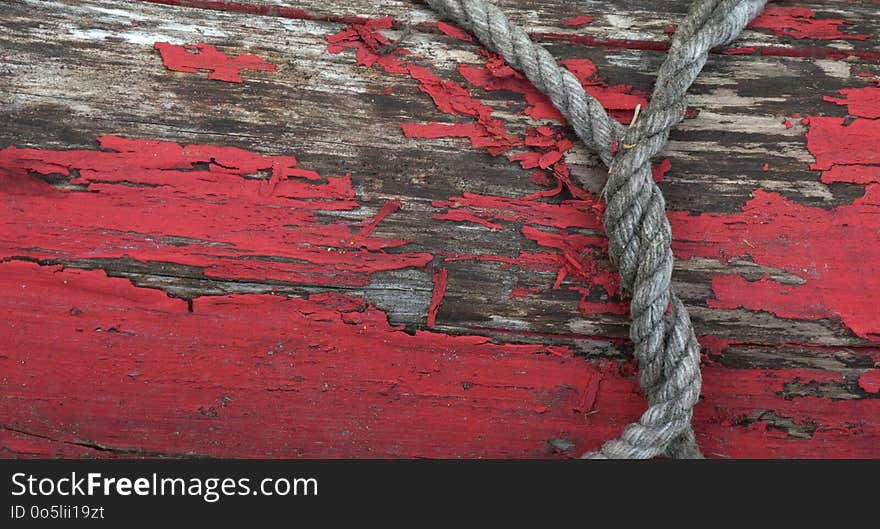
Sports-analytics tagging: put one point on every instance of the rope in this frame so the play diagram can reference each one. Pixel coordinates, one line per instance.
(635, 220)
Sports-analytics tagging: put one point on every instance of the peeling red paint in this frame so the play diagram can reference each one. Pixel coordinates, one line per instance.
(815, 420)
(805, 377)
(599, 307)
(733, 292)
(854, 174)
(818, 52)
(486, 132)
(614, 45)
(619, 100)
(746, 50)
(160, 201)
(497, 75)
(801, 23)
(660, 170)
(545, 153)
(542, 147)
(861, 102)
(197, 57)
(325, 365)
(366, 39)
(581, 20)
(454, 31)
(713, 344)
(568, 214)
(823, 248)
(844, 152)
(390, 207)
(330, 367)
(520, 292)
(870, 381)
(814, 244)
(568, 254)
(452, 98)
(441, 278)
(449, 96)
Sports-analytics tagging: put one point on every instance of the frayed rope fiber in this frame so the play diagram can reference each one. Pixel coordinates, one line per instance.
(635, 220)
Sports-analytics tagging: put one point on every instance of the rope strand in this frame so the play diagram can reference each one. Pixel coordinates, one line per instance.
(635, 220)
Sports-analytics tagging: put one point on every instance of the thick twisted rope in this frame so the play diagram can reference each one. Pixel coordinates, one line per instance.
(635, 220)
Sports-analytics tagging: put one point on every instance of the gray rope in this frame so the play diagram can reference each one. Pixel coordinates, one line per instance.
(635, 220)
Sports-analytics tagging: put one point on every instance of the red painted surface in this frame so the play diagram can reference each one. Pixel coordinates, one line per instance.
(825, 248)
(837, 144)
(870, 381)
(861, 102)
(801, 23)
(441, 278)
(848, 151)
(144, 196)
(198, 57)
(581, 20)
(661, 169)
(454, 31)
(390, 207)
(340, 381)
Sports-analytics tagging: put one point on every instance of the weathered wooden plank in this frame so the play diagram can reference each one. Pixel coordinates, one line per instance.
(310, 378)
(813, 28)
(754, 193)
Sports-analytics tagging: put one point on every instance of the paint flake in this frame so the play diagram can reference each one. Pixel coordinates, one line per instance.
(801, 23)
(198, 57)
(577, 21)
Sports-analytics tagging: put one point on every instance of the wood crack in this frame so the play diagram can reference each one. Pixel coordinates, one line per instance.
(129, 452)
